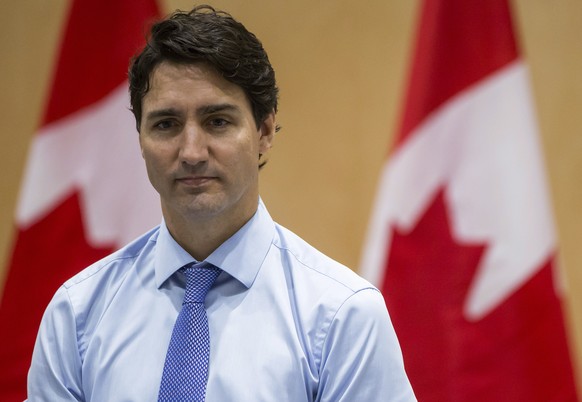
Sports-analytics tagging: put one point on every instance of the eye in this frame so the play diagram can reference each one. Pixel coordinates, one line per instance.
(164, 125)
(218, 122)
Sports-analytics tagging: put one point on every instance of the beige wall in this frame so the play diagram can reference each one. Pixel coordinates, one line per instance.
(341, 66)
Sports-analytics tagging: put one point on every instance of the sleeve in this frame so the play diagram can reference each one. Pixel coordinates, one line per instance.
(361, 359)
(55, 371)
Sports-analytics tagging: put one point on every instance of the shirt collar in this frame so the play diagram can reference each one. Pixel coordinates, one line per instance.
(241, 255)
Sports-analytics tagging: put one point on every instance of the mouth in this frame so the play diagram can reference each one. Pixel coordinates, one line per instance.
(195, 181)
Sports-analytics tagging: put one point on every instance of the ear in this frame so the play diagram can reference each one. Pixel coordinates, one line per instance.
(267, 133)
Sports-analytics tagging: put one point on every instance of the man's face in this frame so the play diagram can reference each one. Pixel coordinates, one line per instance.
(201, 144)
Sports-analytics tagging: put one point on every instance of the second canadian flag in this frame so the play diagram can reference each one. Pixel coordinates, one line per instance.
(461, 240)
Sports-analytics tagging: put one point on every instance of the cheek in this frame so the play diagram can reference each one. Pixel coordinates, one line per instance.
(156, 154)
(235, 153)
(151, 168)
(248, 157)
(156, 164)
(148, 158)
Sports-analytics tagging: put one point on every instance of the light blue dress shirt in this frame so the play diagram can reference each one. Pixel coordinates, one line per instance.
(286, 323)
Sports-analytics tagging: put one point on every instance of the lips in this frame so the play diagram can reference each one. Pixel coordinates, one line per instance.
(195, 181)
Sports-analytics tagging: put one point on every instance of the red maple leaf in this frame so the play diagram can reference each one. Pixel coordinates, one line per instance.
(517, 352)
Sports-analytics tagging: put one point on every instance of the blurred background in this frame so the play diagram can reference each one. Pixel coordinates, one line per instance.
(341, 67)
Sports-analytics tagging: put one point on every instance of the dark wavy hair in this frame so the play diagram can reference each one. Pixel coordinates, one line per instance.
(212, 37)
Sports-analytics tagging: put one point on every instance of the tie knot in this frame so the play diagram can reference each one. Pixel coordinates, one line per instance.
(199, 279)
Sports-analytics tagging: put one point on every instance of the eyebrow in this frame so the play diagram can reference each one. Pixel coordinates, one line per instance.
(221, 107)
(161, 113)
(202, 111)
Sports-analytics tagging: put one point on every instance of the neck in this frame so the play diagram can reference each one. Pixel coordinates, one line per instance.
(200, 237)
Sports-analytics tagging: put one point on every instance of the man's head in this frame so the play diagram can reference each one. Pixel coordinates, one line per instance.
(205, 35)
(204, 96)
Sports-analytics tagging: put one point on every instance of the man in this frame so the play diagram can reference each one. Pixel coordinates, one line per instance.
(279, 322)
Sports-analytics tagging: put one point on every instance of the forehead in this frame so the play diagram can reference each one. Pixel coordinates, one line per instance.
(196, 84)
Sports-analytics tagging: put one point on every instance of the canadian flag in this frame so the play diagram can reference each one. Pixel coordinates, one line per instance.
(461, 241)
(85, 191)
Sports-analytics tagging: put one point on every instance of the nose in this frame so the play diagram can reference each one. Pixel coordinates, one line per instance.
(194, 146)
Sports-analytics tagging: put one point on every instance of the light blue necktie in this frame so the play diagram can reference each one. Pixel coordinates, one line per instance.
(186, 367)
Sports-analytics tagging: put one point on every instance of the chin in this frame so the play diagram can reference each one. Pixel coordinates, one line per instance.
(204, 205)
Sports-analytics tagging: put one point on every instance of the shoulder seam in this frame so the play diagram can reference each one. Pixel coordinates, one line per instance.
(327, 330)
(322, 273)
(77, 280)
